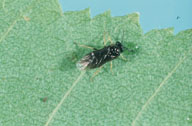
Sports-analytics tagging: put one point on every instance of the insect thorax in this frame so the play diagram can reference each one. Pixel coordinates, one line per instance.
(114, 52)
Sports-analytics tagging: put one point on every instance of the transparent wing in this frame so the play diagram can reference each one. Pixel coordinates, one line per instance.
(84, 62)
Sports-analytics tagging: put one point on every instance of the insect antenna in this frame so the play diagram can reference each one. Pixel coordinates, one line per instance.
(118, 39)
(131, 50)
(128, 49)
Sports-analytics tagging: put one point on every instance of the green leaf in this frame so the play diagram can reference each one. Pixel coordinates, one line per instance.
(40, 84)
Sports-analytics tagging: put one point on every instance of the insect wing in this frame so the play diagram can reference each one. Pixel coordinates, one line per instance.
(84, 62)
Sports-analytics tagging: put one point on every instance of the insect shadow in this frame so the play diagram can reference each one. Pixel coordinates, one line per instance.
(67, 62)
(69, 59)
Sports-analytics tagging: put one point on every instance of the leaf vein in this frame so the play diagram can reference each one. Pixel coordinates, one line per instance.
(158, 89)
(63, 99)
(8, 30)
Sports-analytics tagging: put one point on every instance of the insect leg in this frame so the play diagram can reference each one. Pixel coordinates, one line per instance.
(111, 66)
(95, 74)
(123, 58)
(85, 46)
(109, 38)
(104, 39)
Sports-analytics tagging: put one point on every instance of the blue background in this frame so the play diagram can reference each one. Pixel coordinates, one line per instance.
(154, 14)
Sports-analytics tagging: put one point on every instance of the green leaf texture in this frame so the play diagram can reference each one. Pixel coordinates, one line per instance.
(37, 70)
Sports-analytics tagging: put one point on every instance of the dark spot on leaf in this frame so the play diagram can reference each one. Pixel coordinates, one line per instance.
(69, 61)
(38, 78)
(44, 99)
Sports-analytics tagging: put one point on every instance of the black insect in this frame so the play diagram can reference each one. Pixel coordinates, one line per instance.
(99, 57)
(44, 99)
